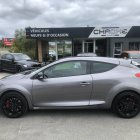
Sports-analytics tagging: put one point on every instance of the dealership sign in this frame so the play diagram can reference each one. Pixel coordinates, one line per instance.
(99, 32)
(83, 32)
(45, 33)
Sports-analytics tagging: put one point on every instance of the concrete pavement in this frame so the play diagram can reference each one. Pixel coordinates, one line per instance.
(69, 125)
(3, 74)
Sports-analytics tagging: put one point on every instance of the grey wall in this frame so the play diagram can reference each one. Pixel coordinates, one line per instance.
(125, 42)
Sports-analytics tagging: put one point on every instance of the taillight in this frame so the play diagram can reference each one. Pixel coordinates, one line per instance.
(137, 75)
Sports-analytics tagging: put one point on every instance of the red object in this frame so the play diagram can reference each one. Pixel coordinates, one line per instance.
(137, 75)
(8, 41)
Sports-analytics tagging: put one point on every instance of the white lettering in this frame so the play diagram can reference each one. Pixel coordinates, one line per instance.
(39, 30)
(35, 35)
(109, 32)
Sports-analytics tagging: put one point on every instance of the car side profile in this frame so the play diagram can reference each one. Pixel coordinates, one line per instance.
(75, 82)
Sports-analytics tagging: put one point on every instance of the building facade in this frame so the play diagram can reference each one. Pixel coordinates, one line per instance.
(56, 43)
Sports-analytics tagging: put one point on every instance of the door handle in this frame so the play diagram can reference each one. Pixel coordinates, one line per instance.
(84, 83)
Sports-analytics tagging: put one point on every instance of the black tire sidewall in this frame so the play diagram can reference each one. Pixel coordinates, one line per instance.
(0, 67)
(18, 95)
(18, 69)
(120, 96)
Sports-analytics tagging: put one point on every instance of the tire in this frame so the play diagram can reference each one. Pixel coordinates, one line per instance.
(0, 67)
(126, 104)
(19, 69)
(13, 105)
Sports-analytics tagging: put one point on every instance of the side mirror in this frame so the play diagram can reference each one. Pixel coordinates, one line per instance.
(40, 76)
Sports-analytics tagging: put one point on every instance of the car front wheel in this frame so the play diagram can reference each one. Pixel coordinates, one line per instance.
(13, 105)
(126, 104)
(19, 69)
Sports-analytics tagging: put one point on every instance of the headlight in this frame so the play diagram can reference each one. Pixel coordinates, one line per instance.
(25, 66)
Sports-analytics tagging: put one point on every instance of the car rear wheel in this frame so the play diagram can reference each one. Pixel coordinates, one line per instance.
(126, 104)
(13, 105)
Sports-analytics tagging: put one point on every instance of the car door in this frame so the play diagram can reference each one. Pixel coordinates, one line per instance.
(64, 84)
(104, 78)
(5, 62)
(10, 62)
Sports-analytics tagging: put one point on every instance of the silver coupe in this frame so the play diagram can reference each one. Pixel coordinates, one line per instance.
(75, 82)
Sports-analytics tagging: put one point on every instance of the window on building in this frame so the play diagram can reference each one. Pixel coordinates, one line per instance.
(134, 45)
(64, 48)
(117, 49)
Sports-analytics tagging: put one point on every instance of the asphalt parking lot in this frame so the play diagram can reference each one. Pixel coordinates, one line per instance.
(69, 125)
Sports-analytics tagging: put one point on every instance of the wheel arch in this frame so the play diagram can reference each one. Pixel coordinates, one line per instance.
(21, 93)
(123, 92)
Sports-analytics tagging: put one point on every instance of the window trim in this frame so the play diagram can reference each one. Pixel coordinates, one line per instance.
(91, 68)
(88, 70)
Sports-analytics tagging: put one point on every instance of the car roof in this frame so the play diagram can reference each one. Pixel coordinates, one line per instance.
(12, 53)
(102, 59)
(86, 54)
(16, 53)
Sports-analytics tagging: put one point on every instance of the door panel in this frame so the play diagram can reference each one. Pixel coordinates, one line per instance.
(62, 91)
(7, 63)
(104, 79)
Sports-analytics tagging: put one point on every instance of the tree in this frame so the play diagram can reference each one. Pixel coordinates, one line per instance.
(23, 45)
(1, 44)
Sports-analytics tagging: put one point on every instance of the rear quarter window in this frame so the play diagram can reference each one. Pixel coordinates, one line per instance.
(99, 67)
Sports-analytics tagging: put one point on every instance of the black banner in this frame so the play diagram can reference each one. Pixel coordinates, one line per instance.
(83, 32)
(79, 32)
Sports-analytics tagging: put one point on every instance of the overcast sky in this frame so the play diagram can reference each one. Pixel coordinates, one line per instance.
(16, 14)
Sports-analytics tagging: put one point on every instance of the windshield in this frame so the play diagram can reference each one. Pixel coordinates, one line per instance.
(21, 57)
(28, 72)
(134, 55)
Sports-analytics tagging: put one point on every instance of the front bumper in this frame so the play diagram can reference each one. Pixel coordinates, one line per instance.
(29, 68)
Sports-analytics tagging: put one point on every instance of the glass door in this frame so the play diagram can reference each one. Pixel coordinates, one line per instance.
(88, 47)
(64, 48)
(117, 49)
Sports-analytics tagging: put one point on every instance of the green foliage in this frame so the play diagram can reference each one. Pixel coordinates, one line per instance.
(23, 45)
(1, 43)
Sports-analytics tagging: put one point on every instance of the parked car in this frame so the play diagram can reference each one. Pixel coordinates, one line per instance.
(3, 52)
(17, 62)
(75, 82)
(52, 53)
(86, 54)
(133, 56)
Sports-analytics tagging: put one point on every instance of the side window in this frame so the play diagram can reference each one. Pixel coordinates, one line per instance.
(9, 57)
(3, 56)
(99, 67)
(65, 69)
